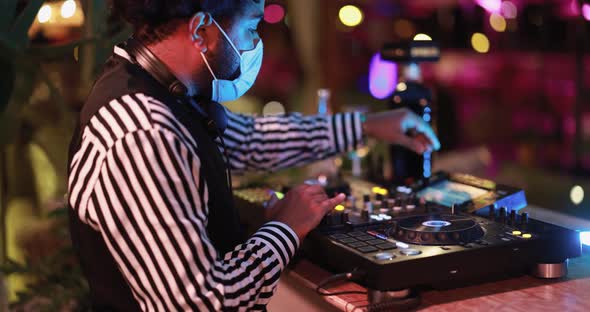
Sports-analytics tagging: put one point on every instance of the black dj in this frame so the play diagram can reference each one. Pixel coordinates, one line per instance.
(152, 216)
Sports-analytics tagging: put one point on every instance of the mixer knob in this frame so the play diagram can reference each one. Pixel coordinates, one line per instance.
(351, 202)
(502, 215)
(492, 211)
(384, 207)
(524, 220)
(512, 217)
(337, 216)
(365, 215)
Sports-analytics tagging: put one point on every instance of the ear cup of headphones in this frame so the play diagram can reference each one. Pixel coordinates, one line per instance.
(216, 119)
(158, 70)
(178, 89)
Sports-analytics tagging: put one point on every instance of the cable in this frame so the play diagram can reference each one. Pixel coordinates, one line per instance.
(340, 277)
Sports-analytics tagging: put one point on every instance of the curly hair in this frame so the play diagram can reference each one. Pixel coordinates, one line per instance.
(154, 20)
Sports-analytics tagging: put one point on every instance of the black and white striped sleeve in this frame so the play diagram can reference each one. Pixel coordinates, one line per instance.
(150, 204)
(271, 143)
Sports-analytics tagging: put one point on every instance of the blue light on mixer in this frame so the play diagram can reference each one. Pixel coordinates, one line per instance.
(585, 238)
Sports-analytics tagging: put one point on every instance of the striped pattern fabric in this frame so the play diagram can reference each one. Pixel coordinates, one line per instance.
(136, 179)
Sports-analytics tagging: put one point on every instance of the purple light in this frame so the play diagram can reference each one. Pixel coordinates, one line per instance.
(382, 77)
(586, 11)
(508, 9)
(273, 13)
(492, 6)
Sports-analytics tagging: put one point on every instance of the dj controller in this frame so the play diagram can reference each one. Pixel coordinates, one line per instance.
(447, 231)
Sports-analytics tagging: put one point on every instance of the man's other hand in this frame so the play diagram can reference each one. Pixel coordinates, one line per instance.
(402, 127)
(303, 207)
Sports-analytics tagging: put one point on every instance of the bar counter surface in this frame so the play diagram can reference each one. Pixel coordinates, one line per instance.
(524, 293)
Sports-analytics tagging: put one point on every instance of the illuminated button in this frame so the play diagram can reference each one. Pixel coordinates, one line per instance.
(339, 208)
(279, 195)
(527, 235)
(410, 252)
(516, 232)
(402, 245)
(379, 190)
(384, 256)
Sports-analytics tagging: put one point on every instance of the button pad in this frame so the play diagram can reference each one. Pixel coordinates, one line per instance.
(386, 246)
(356, 244)
(366, 249)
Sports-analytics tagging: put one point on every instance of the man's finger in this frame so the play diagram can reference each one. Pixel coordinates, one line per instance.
(411, 143)
(423, 127)
(330, 203)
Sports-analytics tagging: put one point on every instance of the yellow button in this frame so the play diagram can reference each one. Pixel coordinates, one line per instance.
(379, 190)
(527, 235)
(339, 208)
(516, 232)
(279, 195)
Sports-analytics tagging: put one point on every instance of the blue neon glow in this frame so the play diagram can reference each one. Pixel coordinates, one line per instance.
(426, 117)
(427, 165)
(382, 77)
(585, 238)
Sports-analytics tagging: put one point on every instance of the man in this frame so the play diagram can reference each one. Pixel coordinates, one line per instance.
(152, 215)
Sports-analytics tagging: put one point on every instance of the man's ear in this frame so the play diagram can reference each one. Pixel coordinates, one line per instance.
(197, 29)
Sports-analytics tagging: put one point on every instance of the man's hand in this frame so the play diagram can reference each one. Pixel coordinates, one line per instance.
(303, 208)
(403, 127)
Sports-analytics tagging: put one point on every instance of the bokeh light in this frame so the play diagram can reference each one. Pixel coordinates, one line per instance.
(586, 11)
(68, 9)
(382, 77)
(577, 194)
(44, 14)
(508, 9)
(274, 13)
(273, 108)
(480, 43)
(422, 37)
(350, 15)
(492, 6)
(401, 87)
(497, 22)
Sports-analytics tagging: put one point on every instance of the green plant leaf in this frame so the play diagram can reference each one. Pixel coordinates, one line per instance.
(7, 12)
(23, 23)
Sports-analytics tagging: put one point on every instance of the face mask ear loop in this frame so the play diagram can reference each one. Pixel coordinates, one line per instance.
(208, 66)
(227, 37)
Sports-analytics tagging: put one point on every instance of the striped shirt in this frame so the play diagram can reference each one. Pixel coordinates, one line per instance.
(135, 179)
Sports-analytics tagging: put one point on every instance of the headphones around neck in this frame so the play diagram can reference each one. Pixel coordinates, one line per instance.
(216, 116)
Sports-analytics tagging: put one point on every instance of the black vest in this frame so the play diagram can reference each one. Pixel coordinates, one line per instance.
(109, 290)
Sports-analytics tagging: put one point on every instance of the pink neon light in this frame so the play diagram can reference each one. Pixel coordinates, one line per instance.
(586, 11)
(492, 6)
(273, 13)
(382, 77)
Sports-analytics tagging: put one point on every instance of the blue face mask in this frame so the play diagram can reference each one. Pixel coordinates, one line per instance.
(250, 62)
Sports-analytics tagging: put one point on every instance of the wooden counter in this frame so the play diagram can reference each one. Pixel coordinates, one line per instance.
(525, 293)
